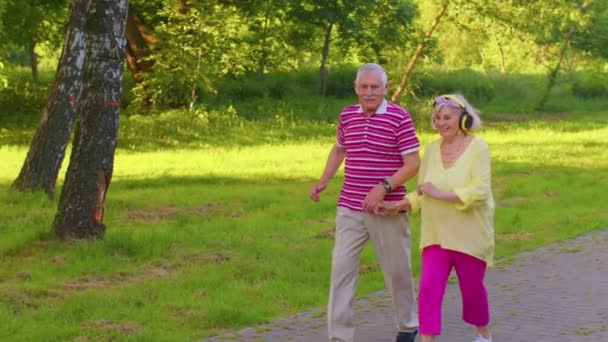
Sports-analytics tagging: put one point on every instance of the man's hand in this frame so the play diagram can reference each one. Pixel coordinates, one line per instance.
(386, 208)
(373, 198)
(316, 189)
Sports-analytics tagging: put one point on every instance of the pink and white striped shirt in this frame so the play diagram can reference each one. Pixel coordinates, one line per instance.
(374, 149)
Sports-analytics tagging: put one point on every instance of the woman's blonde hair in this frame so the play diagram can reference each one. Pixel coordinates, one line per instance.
(463, 104)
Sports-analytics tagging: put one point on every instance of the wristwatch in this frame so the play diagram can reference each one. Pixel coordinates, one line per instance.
(387, 186)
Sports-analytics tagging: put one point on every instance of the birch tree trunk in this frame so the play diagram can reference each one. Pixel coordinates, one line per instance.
(47, 150)
(418, 53)
(80, 212)
(552, 77)
(324, 57)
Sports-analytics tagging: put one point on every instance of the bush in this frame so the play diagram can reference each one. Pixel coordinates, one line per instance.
(340, 81)
(22, 102)
(473, 85)
(591, 86)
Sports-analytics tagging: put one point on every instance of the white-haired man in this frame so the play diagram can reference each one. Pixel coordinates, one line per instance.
(378, 142)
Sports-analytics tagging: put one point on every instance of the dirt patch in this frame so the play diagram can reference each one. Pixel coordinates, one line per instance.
(166, 213)
(17, 300)
(153, 215)
(514, 236)
(557, 116)
(328, 234)
(146, 272)
(213, 257)
(125, 328)
(86, 283)
(513, 201)
(509, 117)
(367, 268)
(183, 313)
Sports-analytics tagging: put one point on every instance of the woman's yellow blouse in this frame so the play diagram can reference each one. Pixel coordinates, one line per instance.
(467, 227)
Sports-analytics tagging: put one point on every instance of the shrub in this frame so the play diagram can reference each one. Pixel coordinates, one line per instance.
(340, 81)
(22, 102)
(591, 86)
(474, 85)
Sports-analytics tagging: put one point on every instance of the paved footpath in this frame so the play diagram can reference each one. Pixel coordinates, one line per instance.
(552, 294)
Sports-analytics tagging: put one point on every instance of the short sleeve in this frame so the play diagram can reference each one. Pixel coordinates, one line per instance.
(340, 133)
(407, 140)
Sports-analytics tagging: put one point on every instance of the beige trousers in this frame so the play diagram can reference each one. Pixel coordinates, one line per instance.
(391, 238)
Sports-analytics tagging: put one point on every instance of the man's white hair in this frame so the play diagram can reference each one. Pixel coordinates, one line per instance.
(372, 67)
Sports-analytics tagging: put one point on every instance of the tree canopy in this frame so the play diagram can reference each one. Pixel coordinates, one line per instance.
(199, 43)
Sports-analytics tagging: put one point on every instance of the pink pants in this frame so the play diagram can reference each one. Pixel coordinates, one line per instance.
(437, 264)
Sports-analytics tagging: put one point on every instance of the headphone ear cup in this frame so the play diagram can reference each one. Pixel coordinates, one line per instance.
(466, 121)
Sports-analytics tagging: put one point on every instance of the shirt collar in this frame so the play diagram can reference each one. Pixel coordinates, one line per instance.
(381, 109)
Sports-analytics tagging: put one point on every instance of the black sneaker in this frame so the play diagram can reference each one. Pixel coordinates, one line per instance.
(403, 336)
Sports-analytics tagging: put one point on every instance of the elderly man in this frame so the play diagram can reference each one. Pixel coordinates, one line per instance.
(378, 140)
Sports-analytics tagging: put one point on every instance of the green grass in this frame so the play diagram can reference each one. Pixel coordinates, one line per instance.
(221, 234)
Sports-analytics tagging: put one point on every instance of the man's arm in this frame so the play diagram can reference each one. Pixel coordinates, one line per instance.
(411, 163)
(334, 160)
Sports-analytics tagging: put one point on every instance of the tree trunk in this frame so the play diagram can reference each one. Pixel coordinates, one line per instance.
(263, 60)
(501, 54)
(140, 43)
(324, 56)
(33, 61)
(47, 150)
(418, 53)
(80, 212)
(553, 73)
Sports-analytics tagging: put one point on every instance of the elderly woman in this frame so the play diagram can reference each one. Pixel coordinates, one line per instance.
(454, 196)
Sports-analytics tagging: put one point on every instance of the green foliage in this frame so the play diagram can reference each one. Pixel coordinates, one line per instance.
(26, 23)
(21, 102)
(283, 85)
(195, 41)
(474, 85)
(3, 77)
(591, 86)
(593, 36)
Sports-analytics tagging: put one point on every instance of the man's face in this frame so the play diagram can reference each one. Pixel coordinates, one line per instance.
(370, 91)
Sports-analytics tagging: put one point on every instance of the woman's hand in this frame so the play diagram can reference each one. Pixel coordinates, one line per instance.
(386, 208)
(430, 190)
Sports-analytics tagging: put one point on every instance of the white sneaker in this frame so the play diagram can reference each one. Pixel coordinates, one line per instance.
(482, 339)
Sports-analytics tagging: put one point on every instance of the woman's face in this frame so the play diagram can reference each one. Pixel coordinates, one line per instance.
(446, 121)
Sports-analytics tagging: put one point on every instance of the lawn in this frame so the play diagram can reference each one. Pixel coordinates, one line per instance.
(216, 237)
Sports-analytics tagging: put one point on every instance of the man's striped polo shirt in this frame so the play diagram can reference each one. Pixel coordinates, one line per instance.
(374, 148)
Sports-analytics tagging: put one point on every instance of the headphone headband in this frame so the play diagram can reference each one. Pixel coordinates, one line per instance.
(455, 99)
(465, 120)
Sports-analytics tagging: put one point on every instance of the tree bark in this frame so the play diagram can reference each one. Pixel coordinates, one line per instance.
(324, 56)
(80, 212)
(140, 43)
(418, 53)
(47, 149)
(553, 73)
(501, 54)
(33, 61)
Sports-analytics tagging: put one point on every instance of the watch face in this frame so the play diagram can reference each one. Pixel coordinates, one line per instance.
(387, 185)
